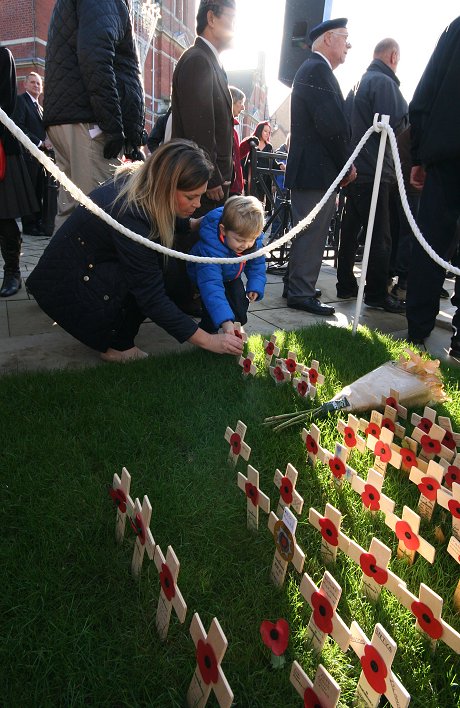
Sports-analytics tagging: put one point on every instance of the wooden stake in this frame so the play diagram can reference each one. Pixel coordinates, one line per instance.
(338, 465)
(208, 674)
(431, 442)
(140, 522)
(279, 372)
(451, 501)
(287, 550)
(453, 548)
(316, 378)
(311, 439)
(237, 445)
(170, 595)
(270, 349)
(255, 497)
(323, 691)
(428, 484)
(239, 332)
(303, 386)
(247, 364)
(292, 365)
(451, 471)
(289, 496)
(374, 565)
(383, 451)
(393, 402)
(324, 619)
(329, 527)
(410, 543)
(120, 495)
(371, 493)
(349, 430)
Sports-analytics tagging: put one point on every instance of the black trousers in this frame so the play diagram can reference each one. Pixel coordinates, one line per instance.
(10, 245)
(235, 293)
(127, 325)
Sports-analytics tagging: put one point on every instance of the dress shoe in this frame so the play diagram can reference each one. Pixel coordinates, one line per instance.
(318, 292)
(115, 355)
(11, 284)
(388, 303)
(311, 304)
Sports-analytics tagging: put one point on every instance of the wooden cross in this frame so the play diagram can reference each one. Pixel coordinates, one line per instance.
(119, 493)
(237, 445)
(270, 349)
(170, 595)
(428, 483)
(374, 564)
(338, 465)
(408, 452)
(324, 619)
(311, 439)
(247, 364)
(451, 501)
(390, 421)
(239, 332)
(316, 378)
(208, 674)
(371, 493)
(292, 365)
(303, 386)
(380, 421)
(349, 430)
(288, 493)
(329, 527)
(323, 691)
(279, 372)
(451, 439)
(140, 523)
(255, 497)
(431, 442)
(451, 471)
(287, 550)
(393, 402)
(427, 608)
(377, 678)
(383, 451)
(425, 421)
(406, 529)
(453, 548)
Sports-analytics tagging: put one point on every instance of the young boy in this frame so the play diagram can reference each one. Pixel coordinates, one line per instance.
(226, 232)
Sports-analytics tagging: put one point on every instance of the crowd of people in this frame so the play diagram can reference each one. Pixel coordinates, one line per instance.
(190, 192)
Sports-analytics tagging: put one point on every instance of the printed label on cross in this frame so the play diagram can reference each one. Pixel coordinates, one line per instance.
(349, 430)
(337, 463)
(170, 595)
(237, 445)
(451, 500)
(316, 378)
(323, 691)
(289, 496)
(374, 564)
(208, 674)
(393, 402)
(451, 471)
(427, 609)
(255, 497)
(371, 492)
(406, 529)
(408, 452)
(287, 550)
(247, 364)
(329, 527)
(428, 483)
(140, 522)
(119, 493)
(303, 386)
(431, 442)
(311, 439)
(451, 439)
(383, 451)
(324, 619)
(270, 349)
(279, 372)
(377, 678)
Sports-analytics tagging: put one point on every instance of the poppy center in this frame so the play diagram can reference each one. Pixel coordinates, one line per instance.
(322, 611)
(274, 634)
(207, 661)
(430, 487)
(329, 532)
(373, 569)
(371, 496)
(374, 666)
(408, 535)
(426, 618)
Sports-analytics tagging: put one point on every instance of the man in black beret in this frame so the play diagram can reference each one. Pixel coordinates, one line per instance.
(320, 146)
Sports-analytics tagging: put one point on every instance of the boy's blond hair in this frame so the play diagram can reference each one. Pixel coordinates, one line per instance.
(244, 215)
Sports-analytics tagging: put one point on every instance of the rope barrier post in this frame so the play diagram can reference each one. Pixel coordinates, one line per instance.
(370, 224)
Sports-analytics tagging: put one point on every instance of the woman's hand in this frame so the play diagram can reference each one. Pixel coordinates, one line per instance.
(218, 343)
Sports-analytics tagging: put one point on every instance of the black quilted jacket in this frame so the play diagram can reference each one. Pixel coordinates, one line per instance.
(92, 68)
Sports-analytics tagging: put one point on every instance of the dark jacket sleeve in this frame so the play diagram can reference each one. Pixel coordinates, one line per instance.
(329, 117)
(21, 118)
(7, 97)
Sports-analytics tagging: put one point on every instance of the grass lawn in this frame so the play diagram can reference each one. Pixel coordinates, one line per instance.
(78, 630)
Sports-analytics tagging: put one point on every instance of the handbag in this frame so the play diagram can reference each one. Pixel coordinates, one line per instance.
(2, 161)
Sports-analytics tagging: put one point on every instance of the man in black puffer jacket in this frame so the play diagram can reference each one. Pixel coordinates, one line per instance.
(94, 100)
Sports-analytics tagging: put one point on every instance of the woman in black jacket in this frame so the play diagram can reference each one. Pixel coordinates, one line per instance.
(100, 285)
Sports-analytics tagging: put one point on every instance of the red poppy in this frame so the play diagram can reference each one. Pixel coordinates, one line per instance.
(426, 619)
(238, 334)
(119, 498)
(313, 376)
(425, 425)
(252, 492)
(286, 490)
(452, 475)
(322, 612)
(429, 488)
(290, 365)
(337, 467)
(247, 363)
(392, 402)
(373, 429)
(207, 662)
(270, 348)
(368, 565)
(405, 534)
(388, 424)
(409, 458)
(454, 508)
(310, 699)
(430, 446)
(349, 436)
(167, 582)
(383, 451)
(329, 531)
(374, 668)
(235, 443)
(275, 635)
(311, 444)
(448, 440)
(371, 497)
(137, 524)
(302, 387)
(278, 373)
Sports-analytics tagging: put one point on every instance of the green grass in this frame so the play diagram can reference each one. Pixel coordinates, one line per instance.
(78, 630)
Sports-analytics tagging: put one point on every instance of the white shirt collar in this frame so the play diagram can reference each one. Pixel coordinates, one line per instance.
(325, 58)
(33, 99)
(215, 52)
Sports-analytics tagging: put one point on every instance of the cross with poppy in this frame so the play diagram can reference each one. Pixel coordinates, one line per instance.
(255, 497)
(287, 550)
(119, 492)
(292, 365)
(376, 678)
(374, 564)
(279, 372)
(237, 445)
(337, 463)
(390, 421)
(329, 527)
(288, 493)
(303, 386)
(349, 430)
(270, 349)
(431, 442)
(323, 691)
(408, 452)
(451, 471)
(311, 439)
(451, 439)
(429, 484)
(425, 421)
(239, 332)
(453, 549)
(371, 492)
(451, 500)
(316, 378)
(170, 595)
(247, 364)
(379, 421)
(406, 529)
(140, 522)
(384, 452)
(427, 608)
(208, 676)
(393, 402)
(324, 619)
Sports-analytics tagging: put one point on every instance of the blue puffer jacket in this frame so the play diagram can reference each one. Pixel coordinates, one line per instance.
(210, 277)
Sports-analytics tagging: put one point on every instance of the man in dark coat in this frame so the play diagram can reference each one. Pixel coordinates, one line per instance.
(436, 157)
(94, 100)
(320, 146)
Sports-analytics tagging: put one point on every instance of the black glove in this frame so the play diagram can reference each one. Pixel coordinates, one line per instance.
(135, 155)
(113, 145)
(254, 141)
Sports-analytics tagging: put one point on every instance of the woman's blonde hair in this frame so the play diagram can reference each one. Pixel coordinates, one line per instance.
(150, 187)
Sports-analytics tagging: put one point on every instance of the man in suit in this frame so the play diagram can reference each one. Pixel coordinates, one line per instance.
(320, 146)
(28, 116)
(201, 100)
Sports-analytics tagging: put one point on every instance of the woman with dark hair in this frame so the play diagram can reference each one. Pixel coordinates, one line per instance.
(100, 285)
(262, 132)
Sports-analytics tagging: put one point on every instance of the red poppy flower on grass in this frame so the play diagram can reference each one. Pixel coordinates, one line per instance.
(388, 424)
(374, 668)
(278, 373)
(425, 425)
(373, 429)
(290, 365)
(119, 498)
(409, 458)
(405, 534)
(313, 376)
(427, 620)
(430, 446)
(302, 387)
(207, 662)
(392, 402)
(452, 475)
(247, 363)
(322, 612)
(429, 487)
(252, 492)
(329, 531)
(137, 525)
(311, 444)
(275, 635)
(448, 440)
(349, 436)
(368, 565)
(270, 348)
(167, 582)
(235, 443)
(337, 467)
(310, 699)
(286, 489)
(371, 497)
(383, 451)
(454, 508)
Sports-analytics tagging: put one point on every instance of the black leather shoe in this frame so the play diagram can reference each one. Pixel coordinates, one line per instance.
(388, 303)
(318, 292)
(11, 284)
(313, 305)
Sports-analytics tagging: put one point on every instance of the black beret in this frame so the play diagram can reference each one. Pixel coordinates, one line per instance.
(326, 27)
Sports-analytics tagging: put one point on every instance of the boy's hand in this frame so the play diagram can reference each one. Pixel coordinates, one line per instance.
(252, 296)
